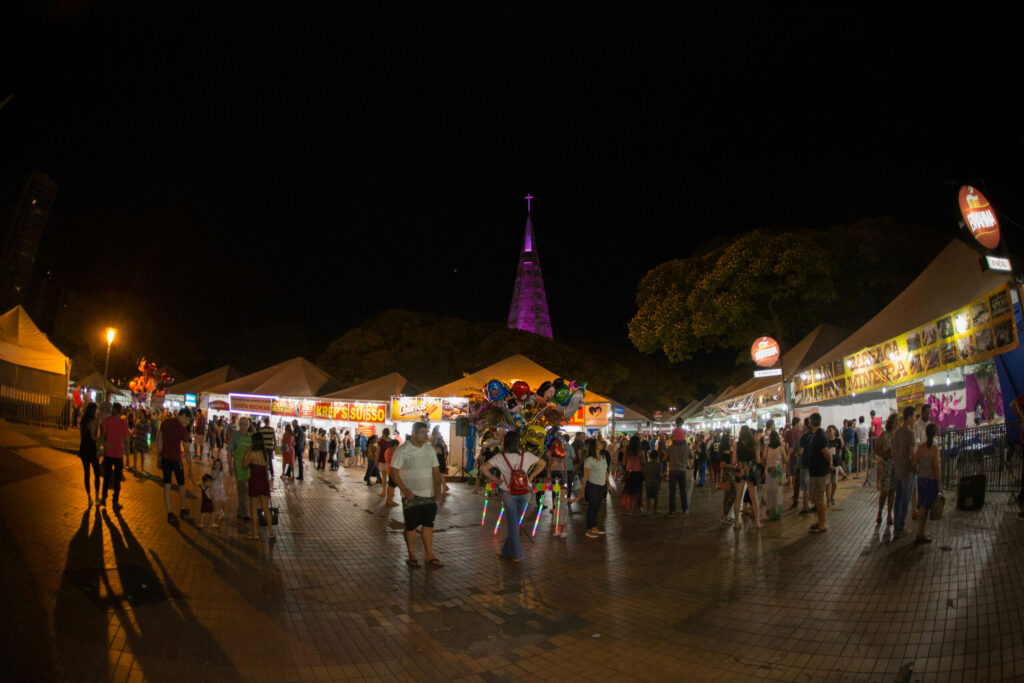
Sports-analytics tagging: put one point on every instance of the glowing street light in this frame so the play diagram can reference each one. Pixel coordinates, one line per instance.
(111, 332)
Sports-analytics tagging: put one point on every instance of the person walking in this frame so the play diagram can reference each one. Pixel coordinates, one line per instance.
(170, 445)
(747, 460)
(269, 438)
(300, 445)
(416, 475)
(87, 451)
(441, 449)
(793, 437)
(862, 437)
(517, 471)
(929, 480)
(728, 479)
(140, 441)
(902, 457)
(595, 486)
(116, 438)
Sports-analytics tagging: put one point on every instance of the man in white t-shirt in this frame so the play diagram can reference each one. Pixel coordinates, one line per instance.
(862, 434)
(415, 473)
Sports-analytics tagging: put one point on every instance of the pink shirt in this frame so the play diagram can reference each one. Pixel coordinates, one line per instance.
(116, 431)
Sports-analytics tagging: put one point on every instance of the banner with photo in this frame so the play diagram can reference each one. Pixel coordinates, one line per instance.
(982, 329)
(415, 408)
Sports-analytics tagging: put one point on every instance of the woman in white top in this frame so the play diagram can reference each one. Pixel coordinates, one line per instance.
(595, 486)
(517, 471)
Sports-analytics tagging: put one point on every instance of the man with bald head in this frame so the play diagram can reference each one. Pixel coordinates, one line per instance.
(239, 444)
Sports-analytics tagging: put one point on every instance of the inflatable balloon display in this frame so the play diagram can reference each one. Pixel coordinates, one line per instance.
(495, 391)
(575, 401)
(562, 395)
(534, 436)
(521, 390)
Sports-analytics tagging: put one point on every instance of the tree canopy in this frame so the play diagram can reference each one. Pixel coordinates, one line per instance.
(781, 283)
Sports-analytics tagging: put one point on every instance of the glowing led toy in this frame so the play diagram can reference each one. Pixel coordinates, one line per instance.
(540, 510)
(558, 504)
(500, 515)
(484, 515)
(523, 516)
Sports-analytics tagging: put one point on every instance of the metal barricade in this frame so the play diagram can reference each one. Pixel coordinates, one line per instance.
(981, 450)
(50, 411)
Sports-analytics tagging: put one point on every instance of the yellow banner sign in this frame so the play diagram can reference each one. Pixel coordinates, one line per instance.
(415, 408)
(981, 330)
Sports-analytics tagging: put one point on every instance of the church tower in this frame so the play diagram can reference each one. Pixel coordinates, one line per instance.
(529, 309)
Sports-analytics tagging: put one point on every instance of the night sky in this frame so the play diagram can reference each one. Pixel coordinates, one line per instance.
(318, 165)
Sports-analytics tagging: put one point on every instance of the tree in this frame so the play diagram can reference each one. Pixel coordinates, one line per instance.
(776, 282)
(760, 283)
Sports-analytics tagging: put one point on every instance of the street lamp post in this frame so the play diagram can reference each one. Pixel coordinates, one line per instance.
(110, 340)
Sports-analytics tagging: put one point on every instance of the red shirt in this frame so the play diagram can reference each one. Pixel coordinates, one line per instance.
(173, 433)
(876, 426)
(116, 431)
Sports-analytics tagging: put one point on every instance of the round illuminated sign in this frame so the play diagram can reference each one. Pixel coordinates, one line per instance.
(979, 216)
(765, 352)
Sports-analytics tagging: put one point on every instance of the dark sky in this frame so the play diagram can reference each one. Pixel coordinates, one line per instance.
(322, 163)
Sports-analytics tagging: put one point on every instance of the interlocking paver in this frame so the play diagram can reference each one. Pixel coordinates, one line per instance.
(102, 596)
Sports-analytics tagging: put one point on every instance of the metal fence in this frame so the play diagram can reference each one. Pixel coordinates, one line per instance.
(981, 450)
(45, 411)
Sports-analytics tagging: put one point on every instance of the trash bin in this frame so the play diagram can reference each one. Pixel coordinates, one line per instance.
(970, 492)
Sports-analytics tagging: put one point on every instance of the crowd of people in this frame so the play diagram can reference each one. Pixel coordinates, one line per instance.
(752, 468)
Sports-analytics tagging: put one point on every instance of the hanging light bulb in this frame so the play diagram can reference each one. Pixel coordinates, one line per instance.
(883, 390)
(947, 379)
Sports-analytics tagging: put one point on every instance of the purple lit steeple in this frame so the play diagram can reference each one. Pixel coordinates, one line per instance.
(529, 309)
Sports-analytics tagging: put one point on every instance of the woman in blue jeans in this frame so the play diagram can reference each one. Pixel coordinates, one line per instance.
(516, 469)
(595, 486)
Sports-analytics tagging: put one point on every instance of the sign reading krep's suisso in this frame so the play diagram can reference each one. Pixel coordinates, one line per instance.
(979, 216)
(765, 352)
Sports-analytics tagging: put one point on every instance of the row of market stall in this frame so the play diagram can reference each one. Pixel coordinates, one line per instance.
(949, 340)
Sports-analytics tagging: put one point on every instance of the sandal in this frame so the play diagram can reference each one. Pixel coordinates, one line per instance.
(252, 538)
(818, 530)
(412, 563)
(434, 562)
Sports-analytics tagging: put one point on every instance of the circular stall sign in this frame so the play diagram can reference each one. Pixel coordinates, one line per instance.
(979, 216)
(765, 352)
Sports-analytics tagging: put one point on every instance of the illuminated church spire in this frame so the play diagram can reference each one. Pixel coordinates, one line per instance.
(529, 309)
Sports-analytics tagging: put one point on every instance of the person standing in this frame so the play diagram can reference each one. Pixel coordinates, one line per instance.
(633, 486)
(595, 486)
(793, 436)
(774, 460)
(875, 432)
(747, 459)
(370, 452)
(679, 457)
(819, 461)
(415, 473)
(902, 456)
(862, 437)
(200, 429)
(929, 479)
(116, 438)
(384, 451)
(288, 453)
(170, 442)
(886, 470)
(239, 444)
(517, 471)
(140, 441)
(269, 443)
(300, 444)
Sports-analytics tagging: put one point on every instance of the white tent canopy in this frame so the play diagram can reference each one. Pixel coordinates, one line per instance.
(295, 377)
(203, 382)
(513, 368)
(21, 343)
(379, 389)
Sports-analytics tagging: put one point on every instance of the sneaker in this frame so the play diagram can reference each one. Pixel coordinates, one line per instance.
(591, 535)
(599, 532)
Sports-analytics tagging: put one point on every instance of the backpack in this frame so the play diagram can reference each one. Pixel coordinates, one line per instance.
(518, 482)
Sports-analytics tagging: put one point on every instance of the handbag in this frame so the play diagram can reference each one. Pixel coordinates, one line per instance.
(938, 506)
(273, 516)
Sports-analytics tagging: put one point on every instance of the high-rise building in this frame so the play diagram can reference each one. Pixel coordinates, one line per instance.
(529, 309)
(21, 239)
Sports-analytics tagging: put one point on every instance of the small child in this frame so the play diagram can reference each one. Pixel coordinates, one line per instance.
(217, 492)
(652, 482)
(206, 506)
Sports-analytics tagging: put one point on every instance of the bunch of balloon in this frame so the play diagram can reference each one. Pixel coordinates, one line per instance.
(147, 388)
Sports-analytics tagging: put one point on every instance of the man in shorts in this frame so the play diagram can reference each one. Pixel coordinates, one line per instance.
(819, 461)
(415, 472)
(169, 442)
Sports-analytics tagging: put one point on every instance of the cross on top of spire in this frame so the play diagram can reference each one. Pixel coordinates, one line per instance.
(528, 198)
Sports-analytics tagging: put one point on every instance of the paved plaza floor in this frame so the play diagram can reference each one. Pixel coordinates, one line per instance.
(95, 595)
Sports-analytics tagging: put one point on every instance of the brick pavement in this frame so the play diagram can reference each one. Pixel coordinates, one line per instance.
(94, 595)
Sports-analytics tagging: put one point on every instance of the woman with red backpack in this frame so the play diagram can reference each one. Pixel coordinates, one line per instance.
(517, 470)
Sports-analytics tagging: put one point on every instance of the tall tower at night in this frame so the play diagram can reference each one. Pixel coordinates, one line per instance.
(529, 309)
